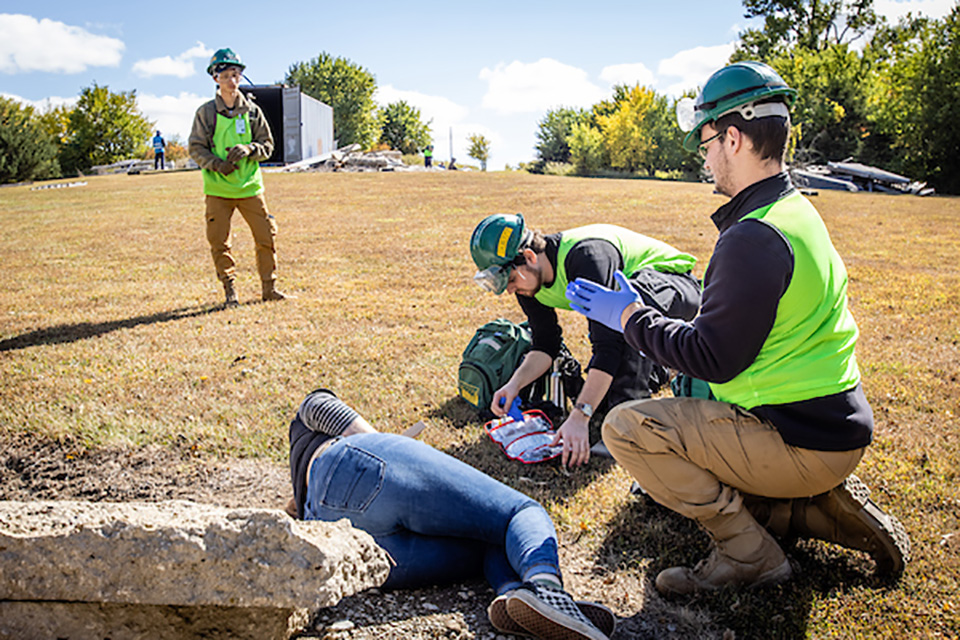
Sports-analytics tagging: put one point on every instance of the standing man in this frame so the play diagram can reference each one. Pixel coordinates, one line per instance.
(159, 144)
(775, 341)
(428, 156)
(537, 268)
(230, 137)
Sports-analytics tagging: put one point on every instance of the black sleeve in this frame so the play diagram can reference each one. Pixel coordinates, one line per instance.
(751, 267)
(547, 333)
(597, 260)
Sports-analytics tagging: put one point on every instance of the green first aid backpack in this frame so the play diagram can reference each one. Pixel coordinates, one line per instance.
(491, 357)
(494, 353)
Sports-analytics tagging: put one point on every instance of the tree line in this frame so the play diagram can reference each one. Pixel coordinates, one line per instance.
(871, 92)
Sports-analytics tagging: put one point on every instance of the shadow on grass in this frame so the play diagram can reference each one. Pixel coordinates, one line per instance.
(65, 333)
(644, 533)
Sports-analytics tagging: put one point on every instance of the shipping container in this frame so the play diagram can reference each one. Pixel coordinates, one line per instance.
(302, 126)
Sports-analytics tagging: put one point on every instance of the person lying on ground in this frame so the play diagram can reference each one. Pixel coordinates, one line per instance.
(440, 519)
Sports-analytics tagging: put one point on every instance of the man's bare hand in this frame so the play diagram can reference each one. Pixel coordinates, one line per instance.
(575, 435)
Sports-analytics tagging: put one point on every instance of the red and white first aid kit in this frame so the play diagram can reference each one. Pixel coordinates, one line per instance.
(527, 441)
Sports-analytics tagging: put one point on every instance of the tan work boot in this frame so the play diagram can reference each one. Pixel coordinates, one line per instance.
(744, 554)
(271, 293)
(847, 516)
(230, 294)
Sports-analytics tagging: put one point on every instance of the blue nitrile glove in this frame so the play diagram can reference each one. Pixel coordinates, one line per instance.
(514, 411)
(601, 304)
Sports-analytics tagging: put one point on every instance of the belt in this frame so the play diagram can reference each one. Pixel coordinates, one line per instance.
(320, 450)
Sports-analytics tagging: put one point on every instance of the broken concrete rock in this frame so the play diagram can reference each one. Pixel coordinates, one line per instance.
(180, 553)
(96, 621)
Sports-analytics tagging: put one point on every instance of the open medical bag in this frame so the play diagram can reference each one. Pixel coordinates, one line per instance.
(527, 441)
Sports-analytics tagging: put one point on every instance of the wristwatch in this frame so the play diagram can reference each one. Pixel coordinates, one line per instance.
(584, 408)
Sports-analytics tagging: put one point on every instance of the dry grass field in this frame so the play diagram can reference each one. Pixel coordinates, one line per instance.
(112, 339)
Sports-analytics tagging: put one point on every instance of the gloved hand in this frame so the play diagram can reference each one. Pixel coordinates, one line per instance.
(238, 152)
(514, 411)
(224, 167)
(600, 303)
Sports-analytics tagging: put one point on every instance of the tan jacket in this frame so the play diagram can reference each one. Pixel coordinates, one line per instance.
(205, 122)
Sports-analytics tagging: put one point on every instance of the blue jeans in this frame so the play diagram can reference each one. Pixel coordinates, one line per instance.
(440, 519)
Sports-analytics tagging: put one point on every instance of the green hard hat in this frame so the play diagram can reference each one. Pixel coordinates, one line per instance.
(224, 57)
(736, 87)
(494, 246)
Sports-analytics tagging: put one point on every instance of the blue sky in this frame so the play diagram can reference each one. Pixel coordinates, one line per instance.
(493, 67)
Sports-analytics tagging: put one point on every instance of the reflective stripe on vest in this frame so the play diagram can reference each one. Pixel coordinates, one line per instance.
(809, 352)
(246, 181)
(638, 252)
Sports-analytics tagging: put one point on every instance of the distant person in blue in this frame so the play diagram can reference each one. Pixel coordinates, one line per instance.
(159, 144)
(440, 519)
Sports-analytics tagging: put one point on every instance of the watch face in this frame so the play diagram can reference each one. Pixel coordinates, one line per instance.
(585, 408)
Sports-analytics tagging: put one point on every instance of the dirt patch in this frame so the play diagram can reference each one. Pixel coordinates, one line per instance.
(32, 468)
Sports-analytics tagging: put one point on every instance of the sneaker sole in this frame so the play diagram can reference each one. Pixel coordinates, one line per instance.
(892, 539)
(545, 622)
(601, 617)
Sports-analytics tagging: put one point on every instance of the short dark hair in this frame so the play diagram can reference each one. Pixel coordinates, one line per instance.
(768, 135)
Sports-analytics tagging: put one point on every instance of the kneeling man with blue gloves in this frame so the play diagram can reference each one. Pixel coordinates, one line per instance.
(774, 452)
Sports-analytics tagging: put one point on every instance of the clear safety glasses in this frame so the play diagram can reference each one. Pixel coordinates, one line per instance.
(493, 279)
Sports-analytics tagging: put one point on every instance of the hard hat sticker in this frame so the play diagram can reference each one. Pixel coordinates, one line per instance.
(504, 238)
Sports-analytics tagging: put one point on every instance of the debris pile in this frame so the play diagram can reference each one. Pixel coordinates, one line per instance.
(853, 176)
(352, 159)
(123, 166)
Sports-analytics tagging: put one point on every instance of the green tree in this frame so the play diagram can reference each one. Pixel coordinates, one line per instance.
(553, 133)
(810, 24)
(586, 148)
(479, 149)
(913, 101)
(104, 127)
(27, 151)
(627, 135)
(346, 87)
(402, 129)
(830, 112)
(668, 153)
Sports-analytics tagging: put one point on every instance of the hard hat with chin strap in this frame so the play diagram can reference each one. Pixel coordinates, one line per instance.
(495, 245)
(735, 88)
(222, 59)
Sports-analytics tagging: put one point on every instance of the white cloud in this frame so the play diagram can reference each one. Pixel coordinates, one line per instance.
(693, 66)
(173, 114)
(44, 105)
(28, 44)
(521, 87)
(436, 108)
(628, 74)
(181, 66)
(895, 9)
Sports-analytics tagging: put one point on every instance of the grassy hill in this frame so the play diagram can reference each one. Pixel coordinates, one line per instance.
(111, 334)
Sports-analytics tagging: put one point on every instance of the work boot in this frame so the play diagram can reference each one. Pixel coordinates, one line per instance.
(744, 554)
(230, 294)
(847, 516)
(774, 514)
(270, 293)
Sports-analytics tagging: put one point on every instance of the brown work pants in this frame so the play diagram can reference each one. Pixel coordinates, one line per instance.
(262, 224)
(697, 456)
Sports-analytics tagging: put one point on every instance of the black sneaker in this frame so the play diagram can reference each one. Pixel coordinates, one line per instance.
(550, 614)
(601, 616)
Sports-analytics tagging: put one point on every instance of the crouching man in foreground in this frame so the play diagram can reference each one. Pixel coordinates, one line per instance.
(440, 519)
(775, 341)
